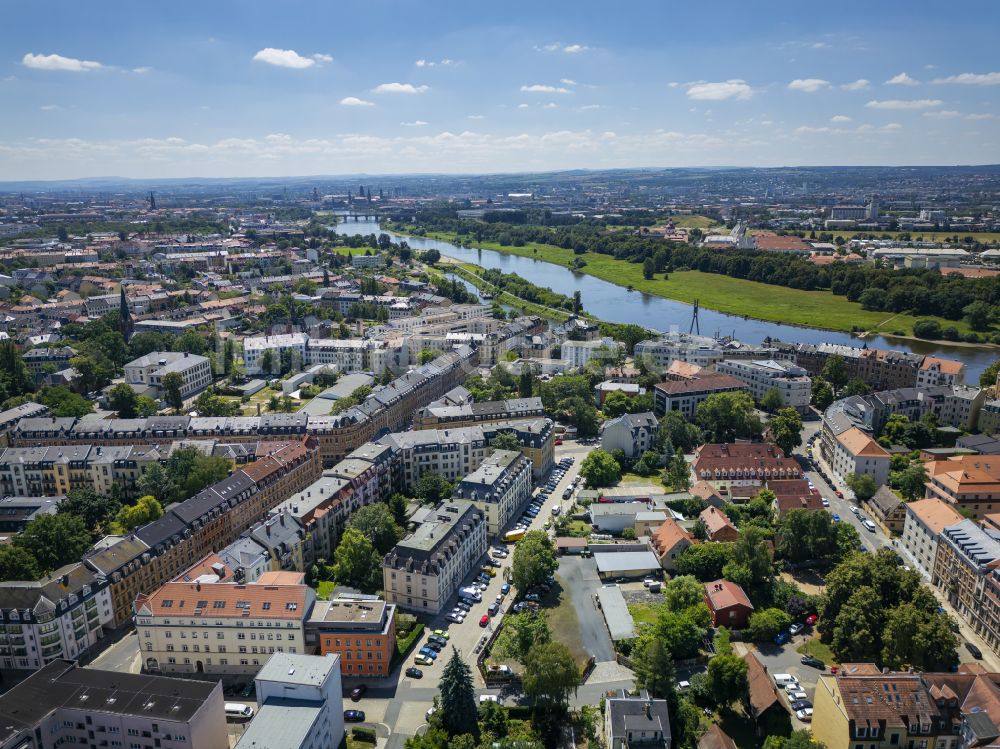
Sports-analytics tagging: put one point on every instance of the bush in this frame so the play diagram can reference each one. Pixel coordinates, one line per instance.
(405, 643)
(360, 733)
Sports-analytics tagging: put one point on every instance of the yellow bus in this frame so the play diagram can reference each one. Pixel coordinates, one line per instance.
(511, 537)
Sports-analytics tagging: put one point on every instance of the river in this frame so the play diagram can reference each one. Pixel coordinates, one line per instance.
(616, 304)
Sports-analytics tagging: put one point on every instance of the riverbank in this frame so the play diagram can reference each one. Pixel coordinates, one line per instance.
(472, 274)
(734, 296)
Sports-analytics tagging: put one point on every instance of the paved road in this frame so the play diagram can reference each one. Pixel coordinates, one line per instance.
(122, 656)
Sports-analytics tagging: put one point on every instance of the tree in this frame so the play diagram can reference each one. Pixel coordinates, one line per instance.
(431, 256)
(534, 560)
(856, 386)
(786, 429)
(15, 377)
(123, 399)
(54, 540)
(726, 417)
(229, 354)
(648, 268)
(426, 356)
(356, 562)
(680, 433)
(145, 510)
(550, 676)
(678, 473)
(519, 633)
(458, 698)
(987, 379)
(146, 407)
(979, 314)
(798, 740)
(767, 623)
(683, 592)
(157, 482)
(397, 505)
(172, 384)
(95, 510)
(772, 400)
(615, 404)
(526, 383)
(822, 394)
(911, 481)
(727, 678)
(835, 371)
(506, 441)
(431, 488)
(653, 666)
(599, 469)
(806, 535)
(705, 561)
(751, 566)
(682, 631)
(376, 523)
(64, 402)
(863, 486)
(267, 361)
(17, 564)
(207, 404)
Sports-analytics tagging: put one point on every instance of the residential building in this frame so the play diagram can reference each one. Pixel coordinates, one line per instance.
(636, 722)
(967, 482)
(448, 415)
(632, 433)
(793, 494)
(669, 541)
(888, 510)
(716, 738)
(855, 452)
(702, 351)
(221, 628)
(578, 353)
(368, 261)
(728, 604)
(148, 372)
(684, 394)
(718, 526)
(286, 347)
(300, 704)
(40, 360)
(63, 704)
(766, 707)
(17, 512)
(500, 488)
(360, 630)
(424, 569)
(966, 570)
(743, 464)
(922, 526)
(936, 371)
(761, 376)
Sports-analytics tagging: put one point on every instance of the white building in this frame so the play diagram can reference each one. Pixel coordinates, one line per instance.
(578, 353)
(633, 433)
(854, 451)
(301, 705)
(925, 519)
(500, 487)
(286, 344)
(149, 371)
(367, 261)
(760, 376)
(424, 569)
(348, 355)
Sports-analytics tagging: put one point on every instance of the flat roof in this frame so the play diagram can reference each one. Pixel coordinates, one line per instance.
(625, 561)
(290, 668)
(280, 724)
(616, 613)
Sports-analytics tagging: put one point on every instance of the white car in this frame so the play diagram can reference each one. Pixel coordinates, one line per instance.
(805, 714)
(796, 696)
(454, 617)
(825, 501)
(856, 510)
(795, 628)
(792, 686)
(682, 685)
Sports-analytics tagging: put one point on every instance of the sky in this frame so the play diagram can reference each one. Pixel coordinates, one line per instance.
(323, 87)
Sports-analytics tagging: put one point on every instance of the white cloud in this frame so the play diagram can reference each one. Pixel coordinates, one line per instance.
(840, 118)
(141, 71)
(567, 81)
(735, 88)
(399, 88)
(522, 106)
(808, 85)
(569, 49)
(972, 79)
(541, 88)
(904, 104)
(283, 58)
(476, 117)
(320, 57)
(551, 105)
(673, 84)
(944, 114)
(891, 127)
(902, 80)
(58, 62)
(589, 107)
(574, 49)
(981, 116)
(819, 45)
(49, 107)
(415, 123)
(859, 85)
(433, 64)
(354, 101)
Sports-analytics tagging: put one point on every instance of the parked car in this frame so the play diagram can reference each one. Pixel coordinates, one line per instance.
(354, 716)
(505, 588)
(824, 501)
(974, 650)
(796, 696)
(805, 714)
(423, 660)
(453, 617)
(358, 692)
(856, 510)
(442, 633)
(683, 684)
(432, 654)
(836, 518)
(781, 638)
(795, 629)
(809, 660)
(433, 645)
(532, 597)
(414, 673)
(494, 608)
(801, 704)
(839, 493)
(437, 640)
(811, 619)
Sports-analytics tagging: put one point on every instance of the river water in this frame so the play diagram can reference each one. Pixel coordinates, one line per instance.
(616, 304)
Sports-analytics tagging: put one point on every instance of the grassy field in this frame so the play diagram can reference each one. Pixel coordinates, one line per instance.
(693, 222)
(471, 273)
(817, 649)
(643, 613)
(735, 296)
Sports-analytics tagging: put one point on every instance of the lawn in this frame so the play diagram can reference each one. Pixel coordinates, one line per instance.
(817, 649)
(635, 478)
(565, 625)
(643, 613)
(735, 296)
(693, 222)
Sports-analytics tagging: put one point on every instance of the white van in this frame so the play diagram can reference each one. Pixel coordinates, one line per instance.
(783, 680)
(238, 710)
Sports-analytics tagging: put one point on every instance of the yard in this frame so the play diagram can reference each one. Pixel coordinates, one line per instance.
(565, 626)
(643, 613)
(817, 649)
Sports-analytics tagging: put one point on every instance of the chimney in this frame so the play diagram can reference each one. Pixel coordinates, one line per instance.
(649, 709)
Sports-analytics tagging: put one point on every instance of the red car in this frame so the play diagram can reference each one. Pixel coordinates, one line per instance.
(839, 494)
(484, 620)
(811, 620)
(558, 442)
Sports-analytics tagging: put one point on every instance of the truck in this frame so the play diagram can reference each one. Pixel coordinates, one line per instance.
(512, 537)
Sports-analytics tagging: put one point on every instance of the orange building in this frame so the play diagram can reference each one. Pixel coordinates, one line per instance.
(360, 629)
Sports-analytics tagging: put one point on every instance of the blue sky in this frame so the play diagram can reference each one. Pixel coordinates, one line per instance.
(219, 88)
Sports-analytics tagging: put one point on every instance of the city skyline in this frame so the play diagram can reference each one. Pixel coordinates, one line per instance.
(401, 88)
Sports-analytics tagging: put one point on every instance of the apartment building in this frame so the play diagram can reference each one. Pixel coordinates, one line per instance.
(634, 434)
(289, 347)
(500, 487)
(669, 542)
(63, 704)
(887, 370)
(637, 722)
(685, 393)
(424, 569)
(578, 353)
(761, 376)
(300, 704)
(444, 414)
(967, 482)
(359, 629)
(936, 371)
(41, 360)
(348, 355)
(62, 615)
(966, 570)
(17, 512)
(922, 526)
(743, 464)
(221, 628)
(147, 372)
(702, 351)
(856, 452)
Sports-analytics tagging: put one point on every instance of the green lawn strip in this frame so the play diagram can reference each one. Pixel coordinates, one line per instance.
(817, 649)
(405, 644)
(643, 613)
(471, 273)
(735, 296)
(565, 626)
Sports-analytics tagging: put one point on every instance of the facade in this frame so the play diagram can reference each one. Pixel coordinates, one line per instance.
(636, 722)
(924, 521)
(578, 353)
(965, 569)
(669, 542)
(700, 350)
(856, 452)
(888, 510)
(288, 346)
(148, 371)
(360, 630)
(367, 261)
(500, 487)
(424, 569)
(440, 415)
(220, 628)
(718, 526)
(632, 433)
(728, 604)
(761, 376)
(936, 371)
(300, 704)
(684, 394)
(63, 704)
(743, 464)
(969, 482)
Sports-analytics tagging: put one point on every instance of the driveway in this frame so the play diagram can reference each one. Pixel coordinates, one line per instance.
(580, 582)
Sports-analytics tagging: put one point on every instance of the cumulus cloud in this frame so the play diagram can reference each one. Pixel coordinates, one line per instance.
(434, 63)
(902, 80)
(522, 106)
(354, 101)
(289, 58)
(981, 116)
(972, 79)
(808, 85)
(944, 114)
(735, 88)
(567, 81)
(541, 88)
(840, 118)
(569, 49)
(415, 123)
(320, 57)
(859, 85)
(399, 88)
(904, 103)
(58, 62)
(49, 107)
(550, 105)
